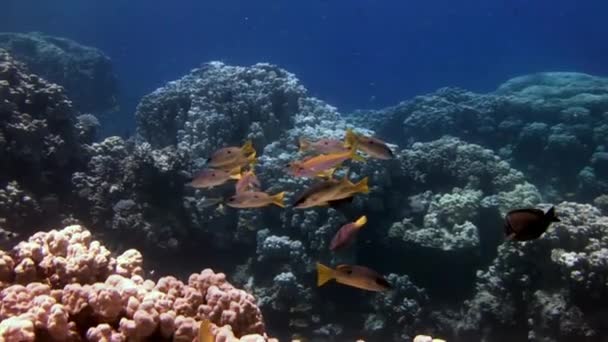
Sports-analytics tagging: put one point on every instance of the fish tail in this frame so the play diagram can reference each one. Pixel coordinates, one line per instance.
(361, 221)
(303, 144)
(247, 148)
(362, 186)
(278, 199)
(552, 216)
(350, 139)
(204, 331)
(324, 274)
(236, 173)
(252, 159)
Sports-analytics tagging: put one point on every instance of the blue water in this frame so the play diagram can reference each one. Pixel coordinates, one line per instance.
(353, 54)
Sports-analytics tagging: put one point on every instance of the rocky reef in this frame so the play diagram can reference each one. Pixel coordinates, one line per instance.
(435, 210)
(550, 125)
(85, 72)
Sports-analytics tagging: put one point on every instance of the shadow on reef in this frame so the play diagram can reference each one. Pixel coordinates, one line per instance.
(435, 211)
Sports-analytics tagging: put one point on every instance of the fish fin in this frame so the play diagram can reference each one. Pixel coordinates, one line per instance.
(324, 274)
(204, 331)
(303, 144)
(327, 173)
(350, 139)
(354, 156)
(551, 215)
(278, 199)
(235, 173)
(361, 221)
(247, 148)
(252, 159)
(362, 186)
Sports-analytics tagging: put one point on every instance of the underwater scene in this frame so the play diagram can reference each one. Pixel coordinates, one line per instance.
(315, 171)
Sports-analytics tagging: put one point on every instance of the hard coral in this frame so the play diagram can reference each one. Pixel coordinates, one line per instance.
(72, 286)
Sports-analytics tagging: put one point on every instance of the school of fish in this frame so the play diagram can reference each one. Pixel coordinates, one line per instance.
(323, 158)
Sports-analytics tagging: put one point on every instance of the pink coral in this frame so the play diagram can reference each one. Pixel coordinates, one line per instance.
(73, 284)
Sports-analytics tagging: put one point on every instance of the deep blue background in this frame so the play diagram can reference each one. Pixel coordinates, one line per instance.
(351, 53)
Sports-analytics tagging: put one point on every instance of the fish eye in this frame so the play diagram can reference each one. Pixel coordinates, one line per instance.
(229, 152)
(231, 199)
(371, 142)
(212, 174)
(326, 143)
(256, 196)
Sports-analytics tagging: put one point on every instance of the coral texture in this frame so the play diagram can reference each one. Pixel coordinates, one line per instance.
(64, 286)
(85, 72)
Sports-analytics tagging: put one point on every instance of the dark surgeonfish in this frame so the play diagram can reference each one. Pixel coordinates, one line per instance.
(528, 224)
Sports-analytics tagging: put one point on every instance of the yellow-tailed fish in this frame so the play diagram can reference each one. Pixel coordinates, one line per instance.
(255, 199)
(325, 146)
(248, 182)
(352, 275)
(210, 178)
(371, 146)
(330, 192)
(347, 233)
(228, 158)
(321, 164)
(204, 332)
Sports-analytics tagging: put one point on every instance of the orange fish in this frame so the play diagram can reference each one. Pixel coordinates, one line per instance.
(228, 158)
(325, 146)
(255, 199)
(346, 235)
(248, 182)
(330, 192)
(204, 332)
(356, 276)
(210, 178)
(373, 147)
(321, 165)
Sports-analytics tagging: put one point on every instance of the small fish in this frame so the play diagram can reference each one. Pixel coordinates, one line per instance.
(322, 164)
(356, 276)
(248, 182)
(204, 331)
(330, 192)
(373, 147)
(346, 235)
(325, 146)
(228, 158)
(528, 224)
(210, 178)
(255, 199)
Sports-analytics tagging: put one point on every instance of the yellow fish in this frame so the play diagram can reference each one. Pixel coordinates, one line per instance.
(204, 332)
(322, 146)
(373, 147)
(248, 182)
(210, 178)
(330, 192)
(322, 164)
(255, 199)
(228, 158)
(352, 275)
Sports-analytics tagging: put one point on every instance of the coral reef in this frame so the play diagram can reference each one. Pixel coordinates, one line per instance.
(550, 289)
(64, 286)
(552, 126)
(42, 143)
(85, 72)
